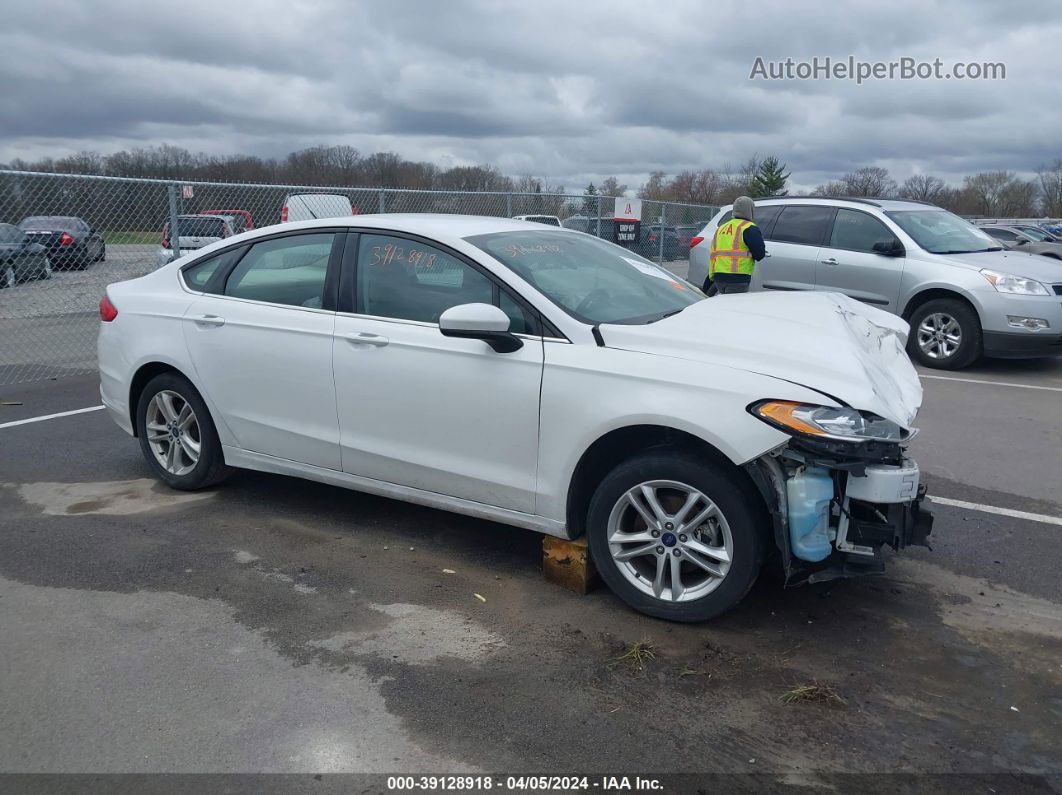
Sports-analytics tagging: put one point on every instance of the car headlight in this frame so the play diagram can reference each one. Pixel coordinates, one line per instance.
(825, 422)
(1015, 285)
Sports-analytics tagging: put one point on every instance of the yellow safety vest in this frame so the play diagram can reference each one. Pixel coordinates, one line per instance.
(729, 253)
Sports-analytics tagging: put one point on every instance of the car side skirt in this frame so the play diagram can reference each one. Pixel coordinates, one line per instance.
(245, 459)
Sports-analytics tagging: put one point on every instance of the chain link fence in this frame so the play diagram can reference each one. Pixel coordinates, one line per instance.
(64, 238)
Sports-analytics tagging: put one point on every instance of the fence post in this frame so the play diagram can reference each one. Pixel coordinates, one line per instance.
(599, 216)
(175, 236)
(508, 205)
(663, 215)
(383, 204)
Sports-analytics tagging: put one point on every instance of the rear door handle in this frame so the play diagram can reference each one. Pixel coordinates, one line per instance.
(830, 261)
(209, 320)
(364, 338)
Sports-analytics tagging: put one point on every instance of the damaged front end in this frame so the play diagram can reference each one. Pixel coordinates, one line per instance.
(835, 505)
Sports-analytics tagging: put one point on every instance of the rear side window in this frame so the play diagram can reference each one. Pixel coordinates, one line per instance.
(802, 224)
(857, 231)
(286, 270)
(198, 276)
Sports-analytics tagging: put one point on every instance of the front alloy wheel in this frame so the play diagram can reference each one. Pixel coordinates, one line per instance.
(670, 541)
(677, 534)
(939, 335)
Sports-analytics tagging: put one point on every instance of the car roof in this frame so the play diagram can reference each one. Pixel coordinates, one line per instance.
(432, 224)
(854, 201)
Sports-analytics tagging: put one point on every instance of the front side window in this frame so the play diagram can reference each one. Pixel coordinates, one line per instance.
(285, 270)
(590, 279)
(409, 280)
(802, 224)
(857, 231)
(941, 232)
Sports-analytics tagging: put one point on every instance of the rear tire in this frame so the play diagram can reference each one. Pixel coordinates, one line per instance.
(945, 334)
(177, 435)
(8, 276)
(736, 530)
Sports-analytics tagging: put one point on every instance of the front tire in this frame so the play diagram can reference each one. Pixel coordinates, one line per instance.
(945, 334)
(177, 435)
(676, 536)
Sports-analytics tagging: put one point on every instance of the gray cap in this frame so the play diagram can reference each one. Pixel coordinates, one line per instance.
(743, 208)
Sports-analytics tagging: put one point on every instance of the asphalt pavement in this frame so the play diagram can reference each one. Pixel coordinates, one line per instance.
(277, 625)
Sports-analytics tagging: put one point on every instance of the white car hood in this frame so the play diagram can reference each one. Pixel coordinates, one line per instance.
(824, 341)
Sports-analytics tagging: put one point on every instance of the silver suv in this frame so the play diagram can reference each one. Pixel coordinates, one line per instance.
(962, 294)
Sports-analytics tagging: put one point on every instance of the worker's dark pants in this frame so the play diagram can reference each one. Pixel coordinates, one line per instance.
(731, 283)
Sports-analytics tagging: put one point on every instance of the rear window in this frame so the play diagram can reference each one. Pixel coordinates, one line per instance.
(543, 219)
(802, 224)
(201, 227)
(49, 222)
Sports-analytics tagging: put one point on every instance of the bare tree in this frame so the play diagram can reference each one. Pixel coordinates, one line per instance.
(655, 188)
(612, 187)
(1001, 194)
(923, 188)
(1050, 179)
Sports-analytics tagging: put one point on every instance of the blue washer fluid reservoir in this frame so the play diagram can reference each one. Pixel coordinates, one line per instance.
(809, 494)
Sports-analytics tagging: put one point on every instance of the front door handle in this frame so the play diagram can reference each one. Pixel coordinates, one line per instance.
(364, 338)
(209, 320)
(830, 261)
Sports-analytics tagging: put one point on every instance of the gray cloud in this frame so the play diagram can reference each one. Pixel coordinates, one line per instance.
(572, 91)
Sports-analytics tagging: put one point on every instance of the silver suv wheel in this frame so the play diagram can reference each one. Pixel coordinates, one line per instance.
(939, 335)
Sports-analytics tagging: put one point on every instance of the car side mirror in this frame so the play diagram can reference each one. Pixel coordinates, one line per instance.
(1022, 241)
(890, 248)
(480, 322)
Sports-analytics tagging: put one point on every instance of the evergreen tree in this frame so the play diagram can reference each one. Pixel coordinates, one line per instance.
(590, 200)
(769, 179)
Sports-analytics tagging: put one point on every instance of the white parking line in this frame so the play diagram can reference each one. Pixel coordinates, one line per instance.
(44, 417)
(991, 383)
(974, 506)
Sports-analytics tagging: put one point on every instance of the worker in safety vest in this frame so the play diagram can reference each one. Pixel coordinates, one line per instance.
(736, 248)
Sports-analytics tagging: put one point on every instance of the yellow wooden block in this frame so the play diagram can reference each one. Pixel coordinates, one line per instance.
(568, 564)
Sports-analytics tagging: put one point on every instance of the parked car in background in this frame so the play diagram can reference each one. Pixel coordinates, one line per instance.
(1020, 238)
(651, 248)
(1036, 233)
(533, 376)
(196, 231)
(21, 259)
(1052, 228)
(310, 206)
(241, 219)
(963, 295)
(685, 234)
(71, 243)
(549, 220)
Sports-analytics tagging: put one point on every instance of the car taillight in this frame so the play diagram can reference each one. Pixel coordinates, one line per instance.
(695, 240)
(652, 238)
(353, 210)
(65, 239)
(108, 311)
(284, 214)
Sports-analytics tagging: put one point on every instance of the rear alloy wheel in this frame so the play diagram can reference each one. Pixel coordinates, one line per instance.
(10, 278)
(675, 536)
(945, 334)
(177, 435)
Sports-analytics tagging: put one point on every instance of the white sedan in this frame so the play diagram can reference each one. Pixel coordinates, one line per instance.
(538, 377)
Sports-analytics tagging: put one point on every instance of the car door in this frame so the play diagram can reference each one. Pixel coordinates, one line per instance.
(440, 414)
(260, 338)
(793, 243)
(848, 263)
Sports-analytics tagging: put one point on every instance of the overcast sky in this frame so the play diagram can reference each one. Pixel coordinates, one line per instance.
(574, 91)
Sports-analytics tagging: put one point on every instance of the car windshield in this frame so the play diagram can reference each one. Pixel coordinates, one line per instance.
(1033, 232)
(590, 279)
(49, 222)
(940, 232)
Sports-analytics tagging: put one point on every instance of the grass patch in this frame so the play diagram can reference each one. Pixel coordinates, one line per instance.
(637, 655)
(119, 238)
(816, 691)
